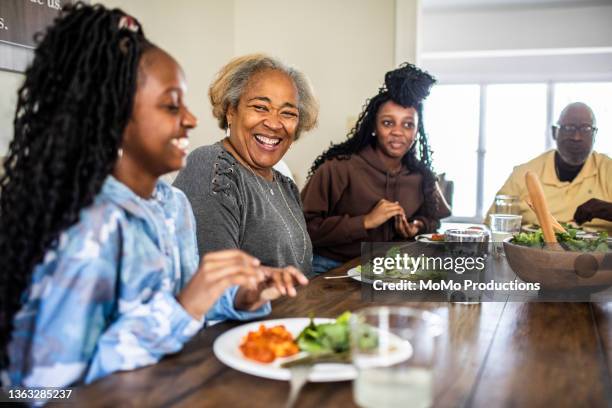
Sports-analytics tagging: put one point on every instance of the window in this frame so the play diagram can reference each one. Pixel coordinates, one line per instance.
(479, 132)
(455, 143)
(515, 125)
(598, 95)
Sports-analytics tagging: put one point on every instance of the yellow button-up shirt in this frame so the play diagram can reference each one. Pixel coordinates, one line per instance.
(563, 197)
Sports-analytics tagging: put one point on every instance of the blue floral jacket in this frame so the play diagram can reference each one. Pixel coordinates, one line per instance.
(104, 299)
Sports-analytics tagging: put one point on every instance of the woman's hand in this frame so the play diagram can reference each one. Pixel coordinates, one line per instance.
(381, 213)
(217, 272)
(277, 282)
(407, 229)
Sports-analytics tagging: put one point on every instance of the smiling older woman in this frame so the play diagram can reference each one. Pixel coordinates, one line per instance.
(239, 200)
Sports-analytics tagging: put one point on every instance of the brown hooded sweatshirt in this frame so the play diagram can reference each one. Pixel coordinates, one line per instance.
(341, 192)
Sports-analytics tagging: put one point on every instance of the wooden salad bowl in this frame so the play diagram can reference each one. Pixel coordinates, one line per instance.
(557, 269)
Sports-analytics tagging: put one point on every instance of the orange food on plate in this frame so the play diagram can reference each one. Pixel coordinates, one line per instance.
(265, 345)
(437, 237)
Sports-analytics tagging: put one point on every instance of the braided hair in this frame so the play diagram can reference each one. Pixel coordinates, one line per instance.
(407, 86)
(71, 112)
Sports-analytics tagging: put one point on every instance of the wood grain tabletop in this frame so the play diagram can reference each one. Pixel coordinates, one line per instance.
(497, 354)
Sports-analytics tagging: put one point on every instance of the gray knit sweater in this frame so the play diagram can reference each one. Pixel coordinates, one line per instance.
(234, 208)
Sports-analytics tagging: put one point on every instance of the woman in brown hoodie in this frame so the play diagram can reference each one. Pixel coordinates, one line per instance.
(378, 185)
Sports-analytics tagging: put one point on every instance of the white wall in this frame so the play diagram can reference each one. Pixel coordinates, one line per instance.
(343, 46)
(199, 34)
(408, 19)
(9, 84)
(563, 42)
(517, 28)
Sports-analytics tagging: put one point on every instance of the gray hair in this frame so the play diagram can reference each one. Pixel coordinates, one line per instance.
(232, 79)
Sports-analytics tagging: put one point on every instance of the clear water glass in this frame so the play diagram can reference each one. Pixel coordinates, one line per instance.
(466, 243)
(393, 349)
(507, 204)
(503, 226)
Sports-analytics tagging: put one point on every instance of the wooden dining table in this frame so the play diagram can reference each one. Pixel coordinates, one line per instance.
(492, 354)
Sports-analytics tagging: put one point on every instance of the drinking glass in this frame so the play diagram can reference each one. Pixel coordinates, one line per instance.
(507, 204)
(472, 243)
(503, 226)
(393, 349)
(466, 242)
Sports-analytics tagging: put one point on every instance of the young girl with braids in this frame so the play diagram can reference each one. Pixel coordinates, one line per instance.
(378, 185)
(99, 258)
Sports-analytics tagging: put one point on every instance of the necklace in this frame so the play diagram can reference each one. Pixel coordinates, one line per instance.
(263, 190)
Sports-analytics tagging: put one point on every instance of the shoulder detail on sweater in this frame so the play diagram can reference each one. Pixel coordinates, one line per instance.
(208, 151)
(224, 175)
(225, 183)
(217, 169)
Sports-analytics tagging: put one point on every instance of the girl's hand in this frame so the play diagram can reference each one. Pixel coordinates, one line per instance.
(381, 213)
(278, 282)
(407, 229)
(217, 272)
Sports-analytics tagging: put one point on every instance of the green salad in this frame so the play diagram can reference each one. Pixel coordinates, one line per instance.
(326, 337)
(329, 342)
(567, 240)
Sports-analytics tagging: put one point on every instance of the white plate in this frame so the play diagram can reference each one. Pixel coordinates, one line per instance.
(355, 273)
(426, 238)
(226, 348)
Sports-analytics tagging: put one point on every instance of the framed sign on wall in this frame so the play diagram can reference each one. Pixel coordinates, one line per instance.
(20, 20)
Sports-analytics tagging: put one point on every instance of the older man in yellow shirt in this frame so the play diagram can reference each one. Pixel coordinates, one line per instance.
(577, 181)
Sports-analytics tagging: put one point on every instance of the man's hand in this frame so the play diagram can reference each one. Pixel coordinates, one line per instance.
(594, 208)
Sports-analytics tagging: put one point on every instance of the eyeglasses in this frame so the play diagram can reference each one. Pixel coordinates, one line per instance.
(570, 130)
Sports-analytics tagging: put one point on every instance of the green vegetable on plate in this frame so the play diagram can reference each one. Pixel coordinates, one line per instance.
(326, 337)
(329, 342)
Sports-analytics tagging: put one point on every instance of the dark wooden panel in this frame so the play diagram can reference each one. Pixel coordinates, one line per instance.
(21, 19)
(471, 330)
(544, 355)
(492, 354)
(602, 315)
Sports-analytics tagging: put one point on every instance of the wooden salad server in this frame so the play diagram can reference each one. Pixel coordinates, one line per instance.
(540, 206)
(556, 225)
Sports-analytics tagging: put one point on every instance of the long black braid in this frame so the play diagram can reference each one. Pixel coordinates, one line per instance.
(407, 86)
(71, 112)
